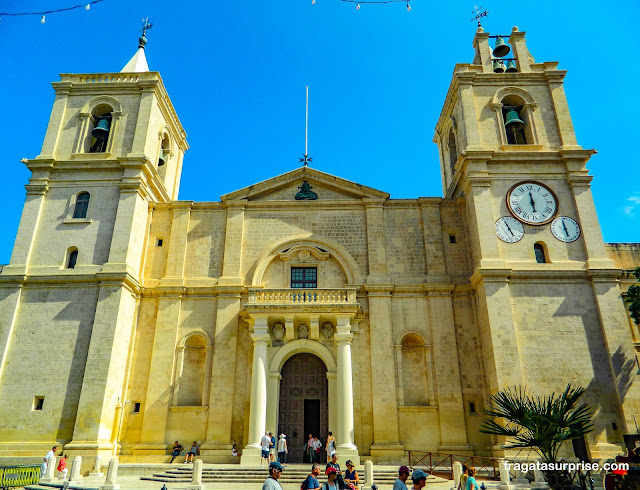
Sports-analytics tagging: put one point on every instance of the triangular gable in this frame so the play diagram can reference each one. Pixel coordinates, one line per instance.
(284, 188)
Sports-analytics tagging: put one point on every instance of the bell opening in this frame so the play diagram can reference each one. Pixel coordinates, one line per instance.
(514, 125)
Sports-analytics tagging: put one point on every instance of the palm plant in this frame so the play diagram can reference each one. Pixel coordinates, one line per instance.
(539, 423)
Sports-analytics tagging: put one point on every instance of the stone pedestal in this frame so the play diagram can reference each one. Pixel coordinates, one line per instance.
(539, 481)
(504, 476)
(368, 474)
(112, 474)
(50, 473)
(74, 474)
(457, 474)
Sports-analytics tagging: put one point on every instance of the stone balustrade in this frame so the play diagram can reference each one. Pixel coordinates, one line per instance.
(338, 296)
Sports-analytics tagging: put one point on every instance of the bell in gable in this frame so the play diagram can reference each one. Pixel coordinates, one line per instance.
(101, 131)
(164, 154)
(513, 121)
(511, 67)
(501, 48)
(498, 66)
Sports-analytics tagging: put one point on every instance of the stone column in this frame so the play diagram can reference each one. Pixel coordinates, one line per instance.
(273, 397)
(333, 397)
(196, 480)
(457, 474)
(112, 474)
(258, 409)
(344, 434)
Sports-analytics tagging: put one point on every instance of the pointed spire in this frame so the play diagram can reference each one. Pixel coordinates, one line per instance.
(138, 64)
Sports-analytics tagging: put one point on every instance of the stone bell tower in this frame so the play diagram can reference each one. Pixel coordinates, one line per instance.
(113, 147)
(548, 305)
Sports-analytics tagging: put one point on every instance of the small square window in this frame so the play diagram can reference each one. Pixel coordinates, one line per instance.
(472, 407)
(38, 402)
(136, 407)
(159, 242)
(614, 426)
(304, 277)
(452, 239)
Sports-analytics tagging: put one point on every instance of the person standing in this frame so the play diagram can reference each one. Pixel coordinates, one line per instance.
(471, 480)
(331, 446)
(62, 467)
(403, 475)
(272, 447)
(282, 450)
(333, 464)
(463, 477)
(312, 480)
(49, 459)
(275, 471)
(177, 449)
(419, 479)
(265, 444)
(317, 448)
(310, 451)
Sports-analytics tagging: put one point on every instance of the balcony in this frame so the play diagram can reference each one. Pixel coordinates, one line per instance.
(312, 300)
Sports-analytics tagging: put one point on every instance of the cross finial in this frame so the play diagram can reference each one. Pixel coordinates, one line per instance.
(478, 14)
(306, 160)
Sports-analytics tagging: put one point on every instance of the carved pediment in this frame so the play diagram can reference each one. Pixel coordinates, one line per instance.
(287, 186)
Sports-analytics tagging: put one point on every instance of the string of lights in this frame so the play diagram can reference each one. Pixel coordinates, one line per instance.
(358, 2)
(86, 6)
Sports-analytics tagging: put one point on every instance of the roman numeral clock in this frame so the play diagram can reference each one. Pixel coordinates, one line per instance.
(533, 203)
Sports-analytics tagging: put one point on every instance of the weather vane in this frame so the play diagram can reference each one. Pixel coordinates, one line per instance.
(479, 15)
(306, 159)
(146, 26)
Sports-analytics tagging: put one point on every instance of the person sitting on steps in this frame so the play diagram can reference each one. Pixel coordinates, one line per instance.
(192, 452)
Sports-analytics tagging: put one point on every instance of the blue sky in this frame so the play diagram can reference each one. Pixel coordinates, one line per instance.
(236, 72)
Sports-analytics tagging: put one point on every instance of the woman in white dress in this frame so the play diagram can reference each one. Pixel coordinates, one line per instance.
(331, 446)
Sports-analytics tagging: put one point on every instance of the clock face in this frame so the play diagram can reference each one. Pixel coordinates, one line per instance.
(509, 229)
(532, 203)
(565, 229)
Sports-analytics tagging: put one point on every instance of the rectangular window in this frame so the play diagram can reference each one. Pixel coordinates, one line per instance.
(38, 402)
(304, 277)
(136, 407)
(159, 242)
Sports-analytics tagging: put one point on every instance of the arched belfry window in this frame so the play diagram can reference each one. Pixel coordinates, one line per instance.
(540, 253)
(453, 150)
(163, 155)
(100, 128)
(72, 258)
(82, 205)
(515, 112)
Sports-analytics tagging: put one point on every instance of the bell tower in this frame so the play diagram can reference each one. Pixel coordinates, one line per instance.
(508, 150)
(113, 149)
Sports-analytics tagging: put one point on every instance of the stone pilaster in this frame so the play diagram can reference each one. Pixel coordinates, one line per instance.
(258, 410)
(376, 241)
(161, 373)
(234, 233)
(174, 273)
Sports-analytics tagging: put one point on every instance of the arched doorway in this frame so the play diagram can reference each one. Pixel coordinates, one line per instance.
(304, 402)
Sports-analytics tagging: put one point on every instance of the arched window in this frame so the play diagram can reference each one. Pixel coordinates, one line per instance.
(163, 156)
(100, 129)
(415, 382)
(82, 205)
(541, 256)
(453, 150)
(191, 381)
(72, 258)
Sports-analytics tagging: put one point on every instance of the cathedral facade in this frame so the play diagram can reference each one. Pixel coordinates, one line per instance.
(307, 303)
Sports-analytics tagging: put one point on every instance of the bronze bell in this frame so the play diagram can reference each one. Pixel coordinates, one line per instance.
(498, 66)
(513, 118)
(511, 67)
(501, 49)
(163, 155)
(101, 131)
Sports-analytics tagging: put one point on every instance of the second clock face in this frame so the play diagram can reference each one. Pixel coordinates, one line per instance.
(509, 229)
(565, 229)
(532, 203)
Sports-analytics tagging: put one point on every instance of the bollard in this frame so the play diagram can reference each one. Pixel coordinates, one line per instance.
(74, 474)
(49, 475)
(96, 469)
(539, 481)
(457, 474)
(196, 480)
(368, 474)
(504, 476)
(112, 474)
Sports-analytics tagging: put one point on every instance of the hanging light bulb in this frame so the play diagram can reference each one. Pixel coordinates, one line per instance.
(358, 7)
(42, 21)
(408, 7)
(88, 6)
